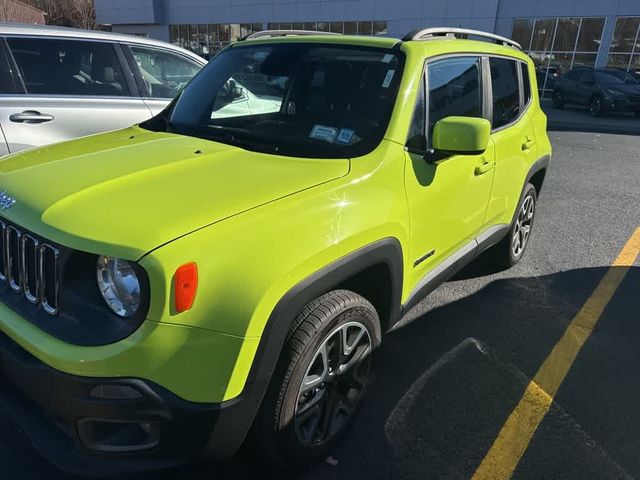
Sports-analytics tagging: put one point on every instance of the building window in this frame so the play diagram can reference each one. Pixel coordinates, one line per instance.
(625, 45)
(557, 45)
(347, 28)
(207, 40)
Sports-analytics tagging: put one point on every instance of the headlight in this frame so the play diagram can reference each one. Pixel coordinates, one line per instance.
(614, 93)
(119, 285)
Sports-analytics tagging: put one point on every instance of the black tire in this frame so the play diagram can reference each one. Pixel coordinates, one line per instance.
(595, 106)
(558, 99)
(505, 253)
(283, 430)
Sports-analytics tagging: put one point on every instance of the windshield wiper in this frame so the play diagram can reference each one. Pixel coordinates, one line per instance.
(231, 138)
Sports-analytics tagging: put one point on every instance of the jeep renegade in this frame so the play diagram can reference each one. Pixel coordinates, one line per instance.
(230, 266)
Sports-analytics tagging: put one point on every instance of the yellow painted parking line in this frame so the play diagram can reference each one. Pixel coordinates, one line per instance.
(516, 433)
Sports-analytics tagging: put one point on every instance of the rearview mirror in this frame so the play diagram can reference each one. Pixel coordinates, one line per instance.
(461, 135)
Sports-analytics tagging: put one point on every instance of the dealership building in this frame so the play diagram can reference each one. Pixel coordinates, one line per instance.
(558, 34)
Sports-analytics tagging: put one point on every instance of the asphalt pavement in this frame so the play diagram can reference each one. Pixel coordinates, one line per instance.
(577, 118)
(449, 377)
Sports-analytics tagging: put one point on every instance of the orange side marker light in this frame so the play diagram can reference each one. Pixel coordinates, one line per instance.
(185, 286)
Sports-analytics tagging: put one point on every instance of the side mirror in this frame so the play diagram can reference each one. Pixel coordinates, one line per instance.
(461, 135)
(235, 91)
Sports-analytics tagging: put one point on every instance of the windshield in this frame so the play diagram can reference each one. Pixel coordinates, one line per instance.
(306, 100)
(619, 77)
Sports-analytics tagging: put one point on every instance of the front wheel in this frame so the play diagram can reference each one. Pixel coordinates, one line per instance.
(321, 379)
(558, 99)
(595, 107)
(511, 249)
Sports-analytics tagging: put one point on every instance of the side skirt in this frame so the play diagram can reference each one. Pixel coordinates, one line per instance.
(453, 264)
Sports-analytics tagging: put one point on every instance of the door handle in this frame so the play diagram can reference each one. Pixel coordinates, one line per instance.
(484, 167)
(30, 116)
(528, 143)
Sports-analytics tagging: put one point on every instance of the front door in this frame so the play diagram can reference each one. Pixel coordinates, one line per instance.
(586, 87)
(161, 73)
(447, 198)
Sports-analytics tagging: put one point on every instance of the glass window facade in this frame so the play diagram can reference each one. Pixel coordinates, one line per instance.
(625, 45)
(348, 28)
(556, 45)
(207, 39)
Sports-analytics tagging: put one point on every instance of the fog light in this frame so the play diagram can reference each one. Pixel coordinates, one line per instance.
(108, 436)
(115, 392)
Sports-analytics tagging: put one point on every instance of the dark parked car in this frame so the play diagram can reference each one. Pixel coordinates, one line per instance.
(551, 74)
(601, 89)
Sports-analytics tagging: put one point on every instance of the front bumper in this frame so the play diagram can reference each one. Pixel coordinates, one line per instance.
(85, 430)
(622, 104)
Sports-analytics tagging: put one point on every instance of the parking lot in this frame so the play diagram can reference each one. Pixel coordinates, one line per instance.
(449, 378)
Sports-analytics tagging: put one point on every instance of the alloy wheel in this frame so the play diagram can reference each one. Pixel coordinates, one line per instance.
(523, 226)
(558, 99)
(333, 384)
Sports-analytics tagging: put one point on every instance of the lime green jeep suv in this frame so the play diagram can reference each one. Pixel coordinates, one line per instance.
(230, 266)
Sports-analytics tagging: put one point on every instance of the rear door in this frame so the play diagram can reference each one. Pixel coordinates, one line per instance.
(513, 135)
(160, 73)
(69, 88)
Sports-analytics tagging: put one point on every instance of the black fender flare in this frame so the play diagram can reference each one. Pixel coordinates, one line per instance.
(228, 435)
(540, 164)
(387, 251)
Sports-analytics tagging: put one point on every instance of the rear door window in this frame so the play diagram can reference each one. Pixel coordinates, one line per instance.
(505, 90)
(69, 67)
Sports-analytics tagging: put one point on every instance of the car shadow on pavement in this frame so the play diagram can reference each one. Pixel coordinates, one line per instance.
(446, 382)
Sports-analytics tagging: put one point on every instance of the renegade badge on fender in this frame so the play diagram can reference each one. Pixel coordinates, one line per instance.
(235, 261)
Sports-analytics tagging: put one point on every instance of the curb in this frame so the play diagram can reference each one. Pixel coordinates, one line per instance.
(591, 128)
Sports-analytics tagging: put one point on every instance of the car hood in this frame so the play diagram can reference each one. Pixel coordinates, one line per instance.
(127, 192)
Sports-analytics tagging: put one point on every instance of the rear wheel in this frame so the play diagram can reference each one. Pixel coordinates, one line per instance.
(511, 249)
(321, 379)
(558, 99)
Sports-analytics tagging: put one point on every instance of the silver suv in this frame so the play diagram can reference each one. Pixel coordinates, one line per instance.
(60, 83)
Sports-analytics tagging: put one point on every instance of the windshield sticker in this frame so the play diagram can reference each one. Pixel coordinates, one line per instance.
(387, 58)
(322, 132)
(345, 136)
(388, 78)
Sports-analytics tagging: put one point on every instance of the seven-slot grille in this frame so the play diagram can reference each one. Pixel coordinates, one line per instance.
(30, 267)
